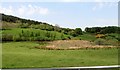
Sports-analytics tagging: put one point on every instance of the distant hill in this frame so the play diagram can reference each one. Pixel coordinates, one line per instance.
(14, 19)
(24, 23)
(19, 29)
(10, 21)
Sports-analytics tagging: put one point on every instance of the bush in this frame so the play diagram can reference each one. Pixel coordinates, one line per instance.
(33, 35)
(7, 37)
(99, 41)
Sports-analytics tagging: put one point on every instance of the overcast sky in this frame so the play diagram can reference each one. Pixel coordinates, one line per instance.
(67, 13)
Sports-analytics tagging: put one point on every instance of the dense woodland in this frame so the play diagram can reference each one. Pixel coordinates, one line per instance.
(19, 29)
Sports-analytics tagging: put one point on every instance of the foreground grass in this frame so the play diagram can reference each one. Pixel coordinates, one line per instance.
(0, 55)
(24, 55)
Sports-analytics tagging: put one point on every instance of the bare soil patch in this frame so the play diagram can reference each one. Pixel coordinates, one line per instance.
(73, 44)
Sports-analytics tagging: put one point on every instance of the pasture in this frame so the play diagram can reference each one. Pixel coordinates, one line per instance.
(25, 55)
(33, 44)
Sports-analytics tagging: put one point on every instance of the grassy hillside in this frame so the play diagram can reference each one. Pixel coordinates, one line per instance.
(27, 34)
(10, 22)
(27, 44)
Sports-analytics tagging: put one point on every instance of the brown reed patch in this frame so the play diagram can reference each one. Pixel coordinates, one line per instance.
(72, 45)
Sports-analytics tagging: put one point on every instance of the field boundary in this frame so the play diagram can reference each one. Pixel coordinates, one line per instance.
(71, 68)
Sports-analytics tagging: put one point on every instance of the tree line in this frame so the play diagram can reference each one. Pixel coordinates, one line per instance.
(103, 30)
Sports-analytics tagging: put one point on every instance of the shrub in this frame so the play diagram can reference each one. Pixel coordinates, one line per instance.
(100, 36)
(17, 38)
(99, 41)
(7, 37)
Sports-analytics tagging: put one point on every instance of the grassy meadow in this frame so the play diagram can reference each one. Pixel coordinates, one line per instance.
(32, 44)
(0, 55)
(25, 51)
(24, 55)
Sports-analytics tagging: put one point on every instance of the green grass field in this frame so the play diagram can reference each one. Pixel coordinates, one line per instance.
(24, 55)
(31, 44)
(0, 55)
(29, 34)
